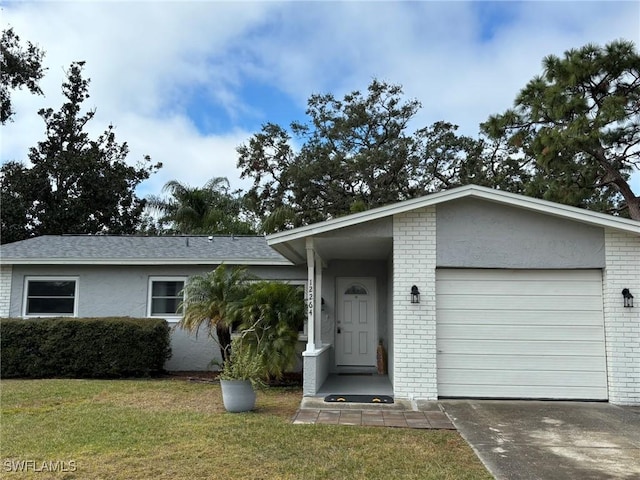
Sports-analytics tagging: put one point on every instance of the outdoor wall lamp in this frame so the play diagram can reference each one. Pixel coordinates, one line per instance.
(415, 295)
(628, 298)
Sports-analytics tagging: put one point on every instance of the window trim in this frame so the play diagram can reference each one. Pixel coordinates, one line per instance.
(355, 286)
(172, 318)
(304, 333)
(50, 278)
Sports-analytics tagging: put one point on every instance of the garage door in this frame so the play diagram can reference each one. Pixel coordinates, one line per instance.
(520, 334)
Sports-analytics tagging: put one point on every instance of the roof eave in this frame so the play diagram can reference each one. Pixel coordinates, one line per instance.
(144, 261)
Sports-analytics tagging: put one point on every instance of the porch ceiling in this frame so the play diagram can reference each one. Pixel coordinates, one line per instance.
(361, 248)
(339, 248)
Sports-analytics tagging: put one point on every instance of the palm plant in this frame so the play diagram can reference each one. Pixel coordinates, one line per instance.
(212, 300)
(211, 209)
(271, 316)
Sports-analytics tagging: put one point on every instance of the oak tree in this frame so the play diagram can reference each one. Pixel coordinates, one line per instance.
(359, 152)
(355, 153)
(20, 66)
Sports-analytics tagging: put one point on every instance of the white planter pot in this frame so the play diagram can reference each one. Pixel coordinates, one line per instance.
(238, 395)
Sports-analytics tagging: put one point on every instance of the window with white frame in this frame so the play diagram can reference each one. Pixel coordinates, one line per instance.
(165, 296)
(301, 287)
(51, 296)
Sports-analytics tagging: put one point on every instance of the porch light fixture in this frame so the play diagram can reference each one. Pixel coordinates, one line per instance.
(415, 294)
(628, 298)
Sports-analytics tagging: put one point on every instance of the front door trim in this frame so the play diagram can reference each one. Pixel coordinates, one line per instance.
(341, 284)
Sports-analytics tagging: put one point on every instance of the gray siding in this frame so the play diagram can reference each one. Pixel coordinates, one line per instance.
(123, 291)
(120, 290)
(191, 352)
(481, 234)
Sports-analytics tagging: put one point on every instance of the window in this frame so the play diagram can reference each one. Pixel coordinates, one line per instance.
(356, 289)
(302, 291)
(300, 286)
(48, 296)
(165, 296)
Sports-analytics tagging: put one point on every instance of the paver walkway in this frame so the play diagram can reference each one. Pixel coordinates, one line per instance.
(374, 418)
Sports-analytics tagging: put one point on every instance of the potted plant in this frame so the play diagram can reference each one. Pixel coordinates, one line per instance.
(264, 348)
(266, 316)
(240, 374)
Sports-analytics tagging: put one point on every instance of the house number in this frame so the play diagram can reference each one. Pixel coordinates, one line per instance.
(310, 298)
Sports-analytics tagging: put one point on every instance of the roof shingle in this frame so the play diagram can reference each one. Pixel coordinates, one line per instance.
(114, 249)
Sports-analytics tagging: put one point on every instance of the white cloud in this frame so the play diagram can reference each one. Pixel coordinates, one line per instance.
(146, 59)
(187, 155)
(141, 58)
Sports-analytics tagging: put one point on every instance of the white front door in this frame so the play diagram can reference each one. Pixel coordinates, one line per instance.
(356, 322)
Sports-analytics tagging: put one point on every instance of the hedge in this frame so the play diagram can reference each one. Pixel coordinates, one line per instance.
(83, 347)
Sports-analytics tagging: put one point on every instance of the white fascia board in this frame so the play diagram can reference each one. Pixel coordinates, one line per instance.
(91, 261)
(468, 191)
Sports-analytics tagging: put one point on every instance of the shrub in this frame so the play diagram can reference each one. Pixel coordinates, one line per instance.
(83, 347)
(271, 316)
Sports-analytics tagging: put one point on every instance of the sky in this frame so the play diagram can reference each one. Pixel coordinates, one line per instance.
(187, 82)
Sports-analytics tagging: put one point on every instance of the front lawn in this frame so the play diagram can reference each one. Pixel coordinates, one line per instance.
(175, 429)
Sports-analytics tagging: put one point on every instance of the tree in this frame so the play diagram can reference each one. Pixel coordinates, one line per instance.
(83, 185)
(213, 301)
(580, 122)
(355, 154)
(448, 160)
(212, 209)
(19, 200)
(19, 67)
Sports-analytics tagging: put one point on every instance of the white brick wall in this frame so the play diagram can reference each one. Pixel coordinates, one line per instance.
(5, 290)
(414, 263)
(316, 370)
(622, 325)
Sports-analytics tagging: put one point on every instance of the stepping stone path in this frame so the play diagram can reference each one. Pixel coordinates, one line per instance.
(374, 418)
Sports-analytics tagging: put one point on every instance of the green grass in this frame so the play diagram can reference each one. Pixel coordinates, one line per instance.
(174, 429)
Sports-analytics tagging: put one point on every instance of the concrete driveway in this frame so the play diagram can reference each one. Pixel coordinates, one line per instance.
(520, 440)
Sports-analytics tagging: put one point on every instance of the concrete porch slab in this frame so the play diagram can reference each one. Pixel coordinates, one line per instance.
(356, 385)
(400, 414)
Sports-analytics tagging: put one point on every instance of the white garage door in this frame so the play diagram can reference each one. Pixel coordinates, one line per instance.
(520, 334)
